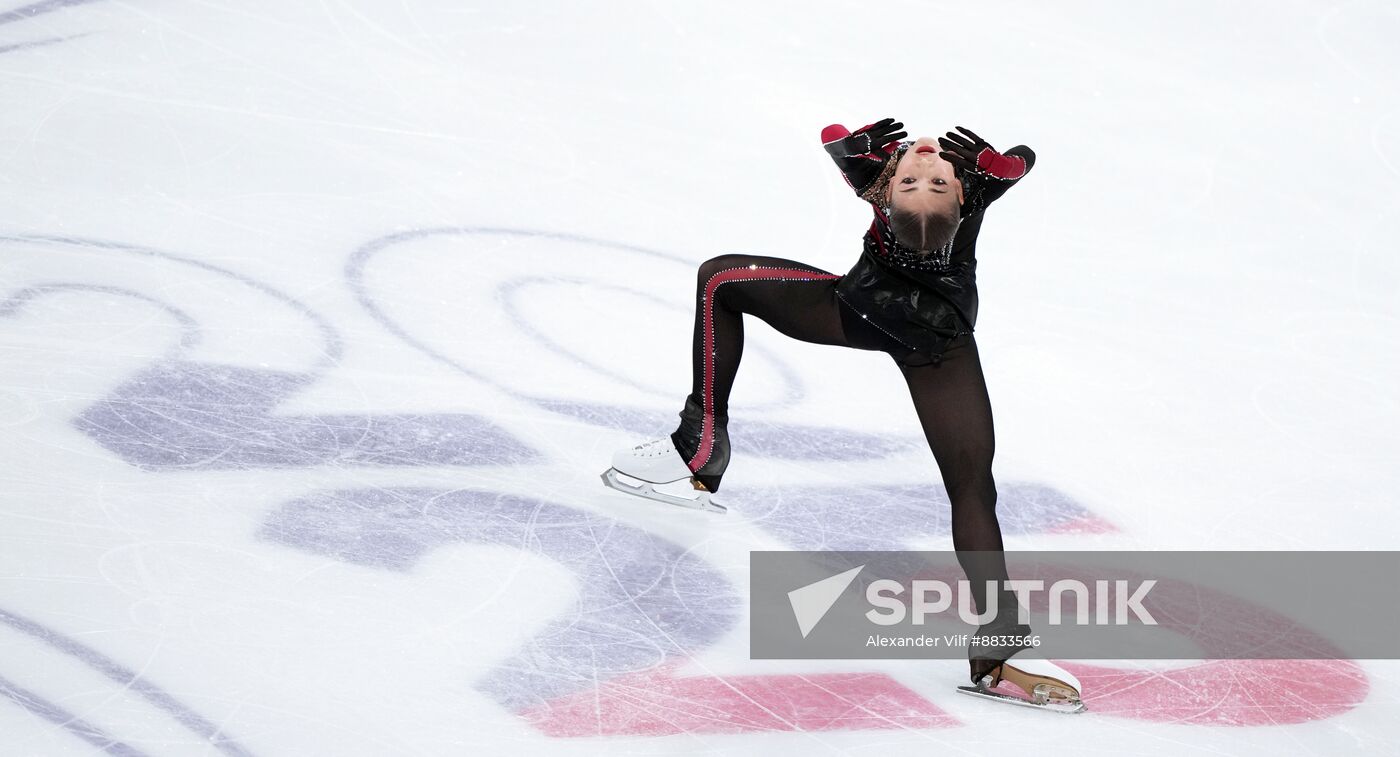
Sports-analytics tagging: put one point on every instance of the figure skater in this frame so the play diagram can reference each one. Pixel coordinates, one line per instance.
(912, 294)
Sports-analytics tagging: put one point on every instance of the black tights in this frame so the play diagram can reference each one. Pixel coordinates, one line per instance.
(950, 397)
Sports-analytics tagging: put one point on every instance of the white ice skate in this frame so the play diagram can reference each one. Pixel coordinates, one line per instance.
(1044, 684)
(655, 470)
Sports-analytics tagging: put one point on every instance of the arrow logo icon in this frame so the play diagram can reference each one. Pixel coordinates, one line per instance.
(810, 603)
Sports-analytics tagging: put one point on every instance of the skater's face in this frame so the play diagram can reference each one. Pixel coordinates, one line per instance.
(923, 182)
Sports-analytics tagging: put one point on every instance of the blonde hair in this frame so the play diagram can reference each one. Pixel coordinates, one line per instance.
(924, 232)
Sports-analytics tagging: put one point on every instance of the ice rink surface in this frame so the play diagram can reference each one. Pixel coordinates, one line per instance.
(318, 322)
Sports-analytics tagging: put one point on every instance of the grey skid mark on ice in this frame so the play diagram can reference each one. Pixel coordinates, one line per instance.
(180, 413)
(334, 349)
(642, 599)
(189, 327)
(36, 43)
(768, 439)
(786, 441)
(122, 676)
(26, 12)
(41, 707)
(887, 517)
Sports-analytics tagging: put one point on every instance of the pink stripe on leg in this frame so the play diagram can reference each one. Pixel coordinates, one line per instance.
(742, 273)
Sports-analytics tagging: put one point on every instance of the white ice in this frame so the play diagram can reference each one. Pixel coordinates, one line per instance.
(318, 322)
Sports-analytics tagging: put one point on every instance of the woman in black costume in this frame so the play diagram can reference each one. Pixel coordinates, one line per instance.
(912, 294)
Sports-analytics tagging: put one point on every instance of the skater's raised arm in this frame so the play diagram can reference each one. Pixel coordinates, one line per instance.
(985, 173)
(864, 155)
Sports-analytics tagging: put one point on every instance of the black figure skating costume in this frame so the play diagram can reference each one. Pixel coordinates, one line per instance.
(918, 307)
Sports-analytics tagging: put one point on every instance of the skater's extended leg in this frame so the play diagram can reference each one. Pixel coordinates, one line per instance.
(796, 299)
(950, 397)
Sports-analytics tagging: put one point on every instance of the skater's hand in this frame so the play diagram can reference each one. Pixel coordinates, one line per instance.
(868, 140)
(971, 153)
(864, 155)
(962, 150)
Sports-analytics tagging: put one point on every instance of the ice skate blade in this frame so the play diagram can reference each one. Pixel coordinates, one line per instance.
(646, 490)
(1067, 707)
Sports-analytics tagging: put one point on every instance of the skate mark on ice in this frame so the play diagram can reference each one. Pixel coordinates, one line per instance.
(642, 598)
(660, 702)
(645, 606)
(750, 437)
(123, 677)
(885, 517)
(1226, 692)
(180, 413)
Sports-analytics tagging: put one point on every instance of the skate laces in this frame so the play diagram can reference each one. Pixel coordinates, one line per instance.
(644, 446)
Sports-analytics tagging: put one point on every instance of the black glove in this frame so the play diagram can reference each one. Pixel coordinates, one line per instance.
(971, 153)
(866, 139)
(862, 155)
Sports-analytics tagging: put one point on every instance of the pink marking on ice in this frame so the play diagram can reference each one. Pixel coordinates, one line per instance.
(1087, 524)
(1219, 692)
(1226, 692)
(657, 703)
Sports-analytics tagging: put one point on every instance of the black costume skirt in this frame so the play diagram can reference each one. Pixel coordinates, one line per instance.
(925, 316)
